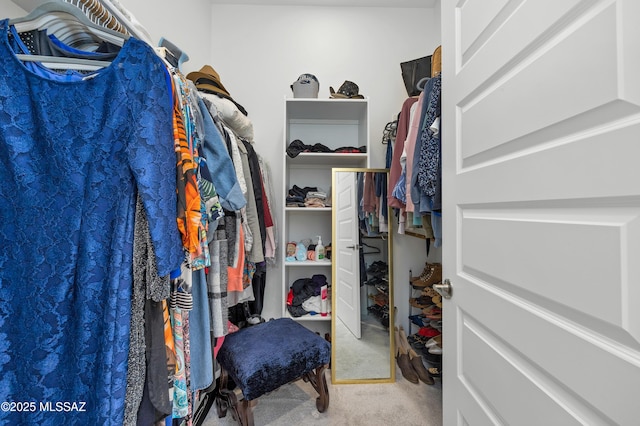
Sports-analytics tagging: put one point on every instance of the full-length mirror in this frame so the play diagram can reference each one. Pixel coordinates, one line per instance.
(362, 299)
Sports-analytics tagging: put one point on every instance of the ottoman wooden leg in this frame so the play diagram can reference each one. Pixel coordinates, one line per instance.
(245, 412)
(319, 382)
(242, 412)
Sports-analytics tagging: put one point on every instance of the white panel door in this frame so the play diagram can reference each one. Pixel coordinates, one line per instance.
(347, 259)
(541, 215)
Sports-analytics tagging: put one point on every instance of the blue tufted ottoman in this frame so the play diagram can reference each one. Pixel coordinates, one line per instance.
(261, 358)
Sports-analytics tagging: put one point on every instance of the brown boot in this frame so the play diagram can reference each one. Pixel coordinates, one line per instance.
(434, 275)
(418, 367)
(426, 271)
(406, 368)
(415, 359)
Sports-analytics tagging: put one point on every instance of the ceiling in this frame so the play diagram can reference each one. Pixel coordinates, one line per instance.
(336, 3)
(32, 4)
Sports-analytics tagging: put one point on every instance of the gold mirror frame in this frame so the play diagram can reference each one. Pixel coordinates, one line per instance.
(367, 351)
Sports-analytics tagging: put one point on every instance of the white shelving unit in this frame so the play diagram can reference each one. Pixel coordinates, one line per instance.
(334, 123)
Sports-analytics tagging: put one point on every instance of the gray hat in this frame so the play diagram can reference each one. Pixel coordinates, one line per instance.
(306, 86)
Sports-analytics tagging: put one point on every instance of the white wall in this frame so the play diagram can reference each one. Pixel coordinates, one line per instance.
(185, 23)
(260, 50)
(8, 9)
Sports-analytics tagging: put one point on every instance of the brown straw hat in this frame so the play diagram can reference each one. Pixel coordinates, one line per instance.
(208, 79)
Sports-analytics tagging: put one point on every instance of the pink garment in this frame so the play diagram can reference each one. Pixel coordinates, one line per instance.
(369, 194)
(270, 241)
(396, 168)
(216, 348)
(409, 147)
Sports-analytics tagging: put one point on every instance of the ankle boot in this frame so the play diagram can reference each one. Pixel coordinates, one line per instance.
(406, 368)
(433, 276)
(424, 273)
(415, 359)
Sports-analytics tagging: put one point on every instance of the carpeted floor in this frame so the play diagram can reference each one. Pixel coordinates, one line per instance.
(400, 403)
(366, 358)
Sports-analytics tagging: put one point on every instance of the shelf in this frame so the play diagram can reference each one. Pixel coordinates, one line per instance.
(307, 209)
(308, 263)
(308, 317)
(334, 123)
(328, 158)
(327, 109)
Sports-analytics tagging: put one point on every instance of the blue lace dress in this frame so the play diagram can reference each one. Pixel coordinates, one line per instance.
(73, 156)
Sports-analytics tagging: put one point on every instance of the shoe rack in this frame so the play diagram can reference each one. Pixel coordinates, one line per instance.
(425, 319)
(377, 283)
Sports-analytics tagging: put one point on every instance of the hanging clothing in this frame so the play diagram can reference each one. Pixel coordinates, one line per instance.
(428, 166)
(409, 147)
(155, 403)
(217, 283)
(255, 253)
(146, 285)
(190, 205)
(75, 154)
(396, 167)
(220, 164)
(200, 336)
(270, 222)
(258, 192)
(426, 177)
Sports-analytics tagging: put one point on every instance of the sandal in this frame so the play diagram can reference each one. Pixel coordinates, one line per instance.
(421, 302)
(418, 320)
(433, 313)
(417, 341)
(437, 324)
(434, 341)
(428, 332)
(434, 371)
(434, 360)
(430, 292)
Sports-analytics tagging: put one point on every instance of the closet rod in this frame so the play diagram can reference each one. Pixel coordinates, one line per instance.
(90, 63)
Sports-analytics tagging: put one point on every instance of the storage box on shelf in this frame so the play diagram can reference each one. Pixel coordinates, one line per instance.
(336, 125)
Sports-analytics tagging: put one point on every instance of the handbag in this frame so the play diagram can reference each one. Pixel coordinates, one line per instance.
(413, 71)
(436, 62)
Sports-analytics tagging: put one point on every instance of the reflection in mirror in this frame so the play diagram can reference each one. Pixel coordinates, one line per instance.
(361, 344)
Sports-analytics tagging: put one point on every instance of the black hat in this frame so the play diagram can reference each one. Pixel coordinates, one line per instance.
(348, 90)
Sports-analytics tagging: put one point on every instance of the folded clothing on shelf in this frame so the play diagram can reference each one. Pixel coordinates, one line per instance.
(309, 196)
(297, 146)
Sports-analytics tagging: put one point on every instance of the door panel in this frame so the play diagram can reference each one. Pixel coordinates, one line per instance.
(566, 361)
(490, 355)
(500, 244)
(476, 19)
(541, 216)
(586, 167)
(348, 260)
(580, 60)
